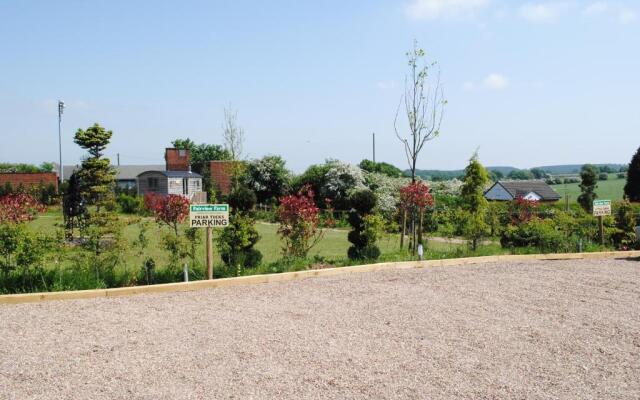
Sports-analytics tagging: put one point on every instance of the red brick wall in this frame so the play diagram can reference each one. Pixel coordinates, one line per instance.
(221, 172)
(29, 179)
(177, 160)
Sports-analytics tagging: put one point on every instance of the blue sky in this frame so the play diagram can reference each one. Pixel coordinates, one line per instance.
(528, 83)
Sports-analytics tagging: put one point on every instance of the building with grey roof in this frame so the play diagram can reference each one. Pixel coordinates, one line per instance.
(535, 190)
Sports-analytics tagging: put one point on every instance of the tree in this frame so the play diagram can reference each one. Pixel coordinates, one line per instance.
(423, 104)
(538, 173)
(381, 167)
(365, 227)
(299, 218)
(169, 210)
(474, 203)
(74, 207)
(589, 176)
(414, 198)
(268, 177)
(237, 240)
(632, 187)
(96, 175)
(233, 134)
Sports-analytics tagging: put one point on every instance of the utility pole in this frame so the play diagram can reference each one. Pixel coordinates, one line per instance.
(118, 157)
(374, 147)
(60, 111)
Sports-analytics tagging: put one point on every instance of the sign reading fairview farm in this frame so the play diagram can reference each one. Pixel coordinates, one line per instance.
(208, 215)
(601, 208)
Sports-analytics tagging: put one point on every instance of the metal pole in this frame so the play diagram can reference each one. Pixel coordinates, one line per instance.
(60, 110)
(374, 147)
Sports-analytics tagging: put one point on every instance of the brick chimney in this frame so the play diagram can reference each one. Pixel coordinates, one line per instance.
(177, 159)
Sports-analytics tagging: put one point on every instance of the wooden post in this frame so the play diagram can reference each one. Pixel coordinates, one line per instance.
(404, 228)
(601, 225)
(209, 253)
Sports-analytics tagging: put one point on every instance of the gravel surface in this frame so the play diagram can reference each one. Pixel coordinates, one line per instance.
(534, 330)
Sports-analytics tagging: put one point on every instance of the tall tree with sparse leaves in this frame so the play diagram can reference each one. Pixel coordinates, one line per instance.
(632, 187)
(424, 103)
(474, 203)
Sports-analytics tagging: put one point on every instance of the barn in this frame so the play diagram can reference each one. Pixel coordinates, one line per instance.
(534, 190)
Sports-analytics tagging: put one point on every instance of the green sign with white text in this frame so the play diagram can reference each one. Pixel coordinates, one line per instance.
(208, 215)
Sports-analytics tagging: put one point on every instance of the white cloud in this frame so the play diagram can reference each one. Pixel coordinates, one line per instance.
(596, 8)
(627, 16)
(542, 12)
(495, 82)
(434, 9)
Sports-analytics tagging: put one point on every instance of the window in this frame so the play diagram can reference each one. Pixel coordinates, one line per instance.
(152, 183)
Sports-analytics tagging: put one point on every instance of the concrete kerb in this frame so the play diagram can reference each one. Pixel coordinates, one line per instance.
(292, 276)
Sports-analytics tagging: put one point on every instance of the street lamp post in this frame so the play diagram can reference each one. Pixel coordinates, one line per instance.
(60, 111)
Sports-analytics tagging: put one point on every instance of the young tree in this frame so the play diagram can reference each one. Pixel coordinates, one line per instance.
(423, 104)
(169, 210)
(589, 176)
(96, 174)
(299, 219)
(233, 134)
(632, 187)
(236, 242)
(414, 198)
(475, 204)
(365, 227)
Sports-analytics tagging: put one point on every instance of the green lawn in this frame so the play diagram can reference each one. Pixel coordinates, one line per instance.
(333, 246)
(611, 189)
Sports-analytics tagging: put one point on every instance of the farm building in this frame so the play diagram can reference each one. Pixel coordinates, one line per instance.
(170, 182)
(126, 175)
(176, 179)
(529, 190)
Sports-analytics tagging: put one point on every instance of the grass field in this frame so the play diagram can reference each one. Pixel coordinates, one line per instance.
(332, 247)
(611, 189)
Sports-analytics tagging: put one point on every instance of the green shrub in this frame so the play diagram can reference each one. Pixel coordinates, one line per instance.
(366, 226)
(130, 204)
(539, 233)
(236, 242)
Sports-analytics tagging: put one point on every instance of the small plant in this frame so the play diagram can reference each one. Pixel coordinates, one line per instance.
(18, 208)
(130, 204)
(299, 218)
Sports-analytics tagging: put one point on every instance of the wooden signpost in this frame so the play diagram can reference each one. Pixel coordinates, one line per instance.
(601, 208)
(209, 216)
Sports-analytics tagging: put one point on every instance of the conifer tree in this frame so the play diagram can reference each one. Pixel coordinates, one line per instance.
(96, 174)
(589, 175)
(475, 204)
(632, 188)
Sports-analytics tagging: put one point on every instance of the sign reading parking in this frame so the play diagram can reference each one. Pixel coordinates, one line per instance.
(208, 215)
(601, 208)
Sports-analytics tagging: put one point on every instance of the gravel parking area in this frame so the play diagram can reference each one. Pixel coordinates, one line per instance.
(534, 330)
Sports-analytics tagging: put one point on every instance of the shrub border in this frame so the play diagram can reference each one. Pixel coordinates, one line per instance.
(299, 275)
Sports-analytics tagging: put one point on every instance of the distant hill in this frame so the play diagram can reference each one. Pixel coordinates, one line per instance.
(435, 174)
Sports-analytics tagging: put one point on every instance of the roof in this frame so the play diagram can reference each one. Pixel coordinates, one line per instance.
(174, 174)
(123, 172)
(522, 188)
